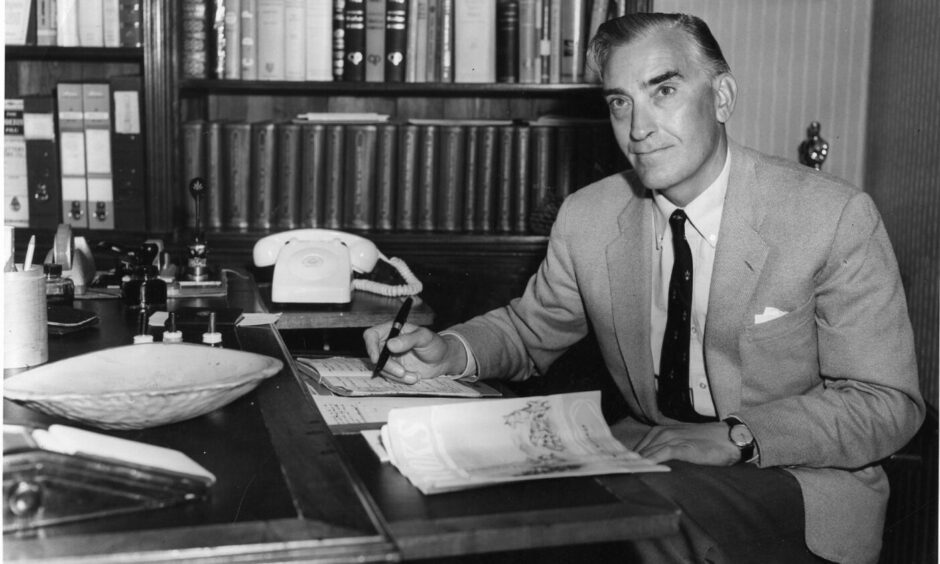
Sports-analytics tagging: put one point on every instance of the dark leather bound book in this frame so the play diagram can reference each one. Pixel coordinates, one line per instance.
(339, 38)
(386, 174)
(313, 174)
(335, 176)
(407, 185)
(131, 23)
(287, 207)
(542, 168)
(194, 162)
(505, 173)
(195, 26)
(263, 176)
(470, 176)
(507, 41)
(565, 151)
(215, 176)
(522, 180)
(42, 162)
(127, 153)
(360, 176)
(452, 170)
(354, 41)
(488, 165)
(396, 40)
(236, 141)
(427, 177)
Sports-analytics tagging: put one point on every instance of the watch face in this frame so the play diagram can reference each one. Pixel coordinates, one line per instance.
(741, 435)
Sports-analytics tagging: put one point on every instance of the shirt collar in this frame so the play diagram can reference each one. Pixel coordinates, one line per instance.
(704, 212)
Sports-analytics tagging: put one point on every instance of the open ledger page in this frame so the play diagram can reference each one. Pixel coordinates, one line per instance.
(443, 448)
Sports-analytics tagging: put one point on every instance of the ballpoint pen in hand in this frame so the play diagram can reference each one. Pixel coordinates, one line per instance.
(393, 332)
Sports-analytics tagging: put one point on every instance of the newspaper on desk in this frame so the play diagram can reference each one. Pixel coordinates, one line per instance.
(443, 448)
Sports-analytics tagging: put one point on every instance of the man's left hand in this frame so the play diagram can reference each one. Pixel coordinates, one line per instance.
(699, 443)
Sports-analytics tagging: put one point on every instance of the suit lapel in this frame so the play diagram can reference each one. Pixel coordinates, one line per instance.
(739, 259)
(629, 263)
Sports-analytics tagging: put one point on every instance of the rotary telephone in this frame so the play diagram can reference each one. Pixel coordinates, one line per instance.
(317, 265)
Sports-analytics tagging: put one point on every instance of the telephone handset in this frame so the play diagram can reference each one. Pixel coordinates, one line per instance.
(317, 265)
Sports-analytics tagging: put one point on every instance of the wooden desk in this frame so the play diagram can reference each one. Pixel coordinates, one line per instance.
(288, 489)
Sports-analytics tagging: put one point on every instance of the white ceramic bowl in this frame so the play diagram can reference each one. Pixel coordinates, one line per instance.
(140, 386)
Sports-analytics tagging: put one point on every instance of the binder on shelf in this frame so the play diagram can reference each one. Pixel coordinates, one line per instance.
(72, 154)
(407, 198)
(313, 174)
(386, 169)
(287, 204)
(318, 40)
(335, 176)
(474, 41)
(194, 164)
(128, 153)
(295, 27)
(396, 40)
(375, 41)
(236, 145)
(263, 169)
(42, 162)
(270, 40)
(452, 169)
(96, 104)
(213, 169)
(15, 175)
(361, 141)
(354, 41)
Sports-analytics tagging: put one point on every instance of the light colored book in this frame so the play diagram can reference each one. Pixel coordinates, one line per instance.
(475, 41)
(91, 23)
(443, 448)
(67, 23)
(295, 25)
(17, 21)
(319, 40)
(15, 181)
(270, 39)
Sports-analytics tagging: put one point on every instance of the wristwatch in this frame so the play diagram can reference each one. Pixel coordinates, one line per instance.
(742, 438)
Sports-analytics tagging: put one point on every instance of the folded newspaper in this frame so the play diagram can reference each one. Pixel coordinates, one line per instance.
(442, 448)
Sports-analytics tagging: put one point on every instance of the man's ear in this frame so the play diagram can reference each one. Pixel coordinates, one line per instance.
(726, 92)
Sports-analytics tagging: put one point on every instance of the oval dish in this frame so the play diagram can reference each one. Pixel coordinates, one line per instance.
(140, 386)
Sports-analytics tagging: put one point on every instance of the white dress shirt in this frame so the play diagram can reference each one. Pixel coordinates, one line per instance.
(701, 232)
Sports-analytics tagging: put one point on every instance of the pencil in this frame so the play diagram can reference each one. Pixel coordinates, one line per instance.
(400, 319)
(30, 251)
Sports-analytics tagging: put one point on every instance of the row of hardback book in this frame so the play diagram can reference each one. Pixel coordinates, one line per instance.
(76, 157)
(476, 176)
(74, 23)
(481, 41)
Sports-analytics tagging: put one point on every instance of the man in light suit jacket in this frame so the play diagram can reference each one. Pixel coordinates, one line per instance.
(749, 309)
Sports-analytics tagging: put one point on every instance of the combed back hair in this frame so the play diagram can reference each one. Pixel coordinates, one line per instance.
(620, 31)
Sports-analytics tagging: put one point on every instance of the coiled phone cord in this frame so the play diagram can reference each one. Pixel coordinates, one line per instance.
(411, 286)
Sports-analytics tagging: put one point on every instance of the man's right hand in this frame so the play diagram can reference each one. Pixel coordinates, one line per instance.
(416, 353)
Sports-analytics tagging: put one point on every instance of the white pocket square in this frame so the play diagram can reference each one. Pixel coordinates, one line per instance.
(770, 313)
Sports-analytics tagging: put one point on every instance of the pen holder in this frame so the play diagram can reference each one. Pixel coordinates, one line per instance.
(25, 335)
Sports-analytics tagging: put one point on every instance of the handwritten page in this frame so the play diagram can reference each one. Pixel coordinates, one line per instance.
(352, 376)
(352, 414)
(442, 448)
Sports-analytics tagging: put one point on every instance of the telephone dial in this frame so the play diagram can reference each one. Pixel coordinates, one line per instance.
(317, 266)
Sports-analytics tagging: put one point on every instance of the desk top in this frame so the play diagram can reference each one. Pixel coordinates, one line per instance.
(288, 489)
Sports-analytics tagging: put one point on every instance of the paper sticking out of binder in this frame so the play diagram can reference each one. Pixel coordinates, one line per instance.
(63, 474)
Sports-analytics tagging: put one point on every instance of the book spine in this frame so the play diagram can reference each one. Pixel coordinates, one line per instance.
(507, 39)
(360, 176)
(471, 172)
(335, 177)
(486, 179)
(354, 40)
(195, 37)
(295, 24)
(528, 42)
(406, 201)
(475, 41)
(270, 36)
(522, 180)
(427, 178)
(249, 40)
(451, 185)
(15, 169)
(213, 163)
(411, 41)
(386, 171)
(91, 23)
(539, 33)
(231, 28)
(504, 180)
(313, 174)
(421, 41)
(45, 22)
(132, 23)
(287, 209)
(565, 149)
(545, 42)
(111, 23)
(128, 154)
(263, 171)
(375, 41)
(218, 40)
(96, 104)
(446, 37)
(339, 38)
(543, 160)
(396, 40)
(318, 43)
(42, 162)
(194, 162)
(432, 44)
(572, 41)
(237, 151)
(556, 37)
(600, 10)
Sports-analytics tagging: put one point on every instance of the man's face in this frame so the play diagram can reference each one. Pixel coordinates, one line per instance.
(668, 114)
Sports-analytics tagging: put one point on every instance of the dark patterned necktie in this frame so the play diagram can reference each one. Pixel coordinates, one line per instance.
(674, 396)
